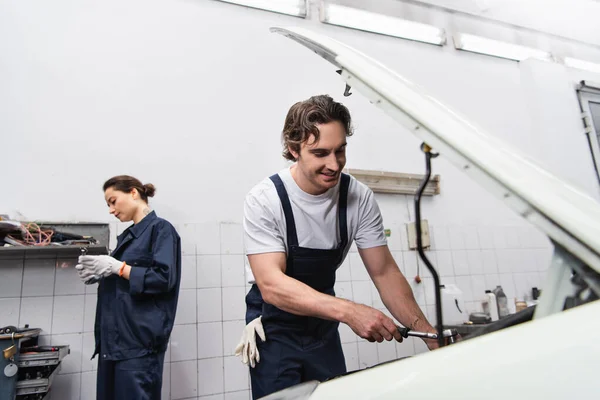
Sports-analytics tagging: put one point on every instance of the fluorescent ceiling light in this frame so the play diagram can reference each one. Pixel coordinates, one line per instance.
(354, 18)
(581, 64)
(496, 48)
(297, 8)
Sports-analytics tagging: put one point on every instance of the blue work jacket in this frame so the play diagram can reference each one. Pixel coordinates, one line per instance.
(135, 317)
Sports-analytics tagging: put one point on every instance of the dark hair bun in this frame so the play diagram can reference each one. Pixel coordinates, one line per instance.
(149, 189)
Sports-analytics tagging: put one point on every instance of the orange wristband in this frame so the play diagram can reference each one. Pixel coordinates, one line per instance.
(122, 269)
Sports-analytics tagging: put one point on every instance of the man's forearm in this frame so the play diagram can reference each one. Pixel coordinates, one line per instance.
(298, 298)
(400, 301)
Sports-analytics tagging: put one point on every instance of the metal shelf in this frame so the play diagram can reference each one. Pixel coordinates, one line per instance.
(43, 358)
(40, 385)
(29, 252)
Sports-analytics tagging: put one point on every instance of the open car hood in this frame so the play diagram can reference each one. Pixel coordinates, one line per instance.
(568, 216)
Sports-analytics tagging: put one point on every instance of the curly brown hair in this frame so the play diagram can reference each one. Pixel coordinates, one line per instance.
(302, 120)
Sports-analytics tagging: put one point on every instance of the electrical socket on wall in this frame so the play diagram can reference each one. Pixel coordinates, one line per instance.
(412, 235)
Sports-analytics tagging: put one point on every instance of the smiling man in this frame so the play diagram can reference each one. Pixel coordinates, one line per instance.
(299, 225)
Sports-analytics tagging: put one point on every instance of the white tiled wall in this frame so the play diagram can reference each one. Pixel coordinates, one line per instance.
(47, 293)
(200, 363)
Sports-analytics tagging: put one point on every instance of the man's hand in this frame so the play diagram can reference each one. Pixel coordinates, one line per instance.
(372, 324)
(433, 344)
(97, 266)
(247, 348)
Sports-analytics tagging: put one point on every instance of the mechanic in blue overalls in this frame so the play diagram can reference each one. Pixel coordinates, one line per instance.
(137, 295)
(299, 225)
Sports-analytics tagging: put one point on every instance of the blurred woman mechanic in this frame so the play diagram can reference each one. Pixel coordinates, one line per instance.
(137, 295)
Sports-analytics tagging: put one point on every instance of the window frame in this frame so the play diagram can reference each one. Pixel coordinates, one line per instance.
(589, 92)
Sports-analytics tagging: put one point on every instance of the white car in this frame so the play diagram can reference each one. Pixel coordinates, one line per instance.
(556, 355)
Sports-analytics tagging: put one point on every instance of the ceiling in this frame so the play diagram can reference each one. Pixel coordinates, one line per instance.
(574, 19)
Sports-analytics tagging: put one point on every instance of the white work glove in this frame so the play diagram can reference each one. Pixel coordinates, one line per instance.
(247, 347)
(97, 267)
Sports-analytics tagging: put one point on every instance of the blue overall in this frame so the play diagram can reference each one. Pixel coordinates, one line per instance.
(134, 317)
(299, 348)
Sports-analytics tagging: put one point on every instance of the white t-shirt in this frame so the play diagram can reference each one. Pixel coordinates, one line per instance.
(316, 218)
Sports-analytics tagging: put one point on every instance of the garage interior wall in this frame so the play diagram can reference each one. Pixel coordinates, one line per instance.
(191, 96)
